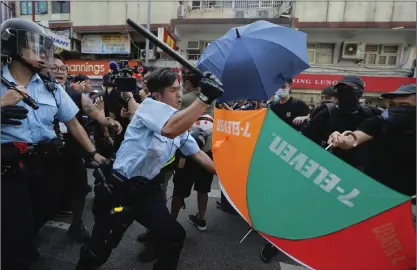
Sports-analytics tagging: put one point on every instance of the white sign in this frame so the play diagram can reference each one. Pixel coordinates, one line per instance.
(60, 41)
(105, 44)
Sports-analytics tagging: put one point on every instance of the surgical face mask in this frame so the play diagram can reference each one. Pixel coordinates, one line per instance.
(276, 97)
(402, 118)
(283, 93)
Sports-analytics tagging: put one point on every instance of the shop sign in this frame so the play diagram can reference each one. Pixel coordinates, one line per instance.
(60, 41)
(105, 44)
(167, 38)
(93, 67)
(372, 83)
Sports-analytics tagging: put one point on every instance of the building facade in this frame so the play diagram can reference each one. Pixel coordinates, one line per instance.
(7, 10)
(376, 40)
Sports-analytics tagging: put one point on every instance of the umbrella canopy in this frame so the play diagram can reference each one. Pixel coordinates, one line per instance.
(307, 201)
(253, 61)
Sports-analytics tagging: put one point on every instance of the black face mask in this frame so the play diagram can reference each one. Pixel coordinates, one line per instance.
(348, 99)
(402, 118)
(326, 102)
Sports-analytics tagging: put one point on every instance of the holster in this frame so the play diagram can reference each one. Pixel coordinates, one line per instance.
(17, 156)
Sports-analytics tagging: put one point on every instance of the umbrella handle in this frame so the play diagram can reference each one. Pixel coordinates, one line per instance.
(173, 54)
(246, 235)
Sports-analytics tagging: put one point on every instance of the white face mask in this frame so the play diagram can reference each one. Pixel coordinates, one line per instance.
(283, 93)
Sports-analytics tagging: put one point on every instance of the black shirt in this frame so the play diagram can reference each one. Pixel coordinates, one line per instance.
(325, 123)
(392, 159)
(291, 109)
(71, 144)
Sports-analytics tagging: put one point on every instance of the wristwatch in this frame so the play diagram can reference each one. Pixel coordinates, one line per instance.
(93, 153)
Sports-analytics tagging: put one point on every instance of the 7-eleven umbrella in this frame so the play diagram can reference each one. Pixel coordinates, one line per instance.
(307, 202)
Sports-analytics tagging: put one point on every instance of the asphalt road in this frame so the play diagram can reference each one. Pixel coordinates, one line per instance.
(217, 248)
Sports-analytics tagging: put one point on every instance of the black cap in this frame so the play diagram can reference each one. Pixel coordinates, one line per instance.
(351, 80)
(404, 90)
(329, 91)
(80, 78)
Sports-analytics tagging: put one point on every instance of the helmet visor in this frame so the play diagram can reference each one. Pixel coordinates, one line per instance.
(36, 49)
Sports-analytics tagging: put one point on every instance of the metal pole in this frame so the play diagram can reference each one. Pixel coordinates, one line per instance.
(33, 10)
(148, 27)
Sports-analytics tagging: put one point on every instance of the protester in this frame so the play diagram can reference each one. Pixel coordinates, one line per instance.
(393, 136)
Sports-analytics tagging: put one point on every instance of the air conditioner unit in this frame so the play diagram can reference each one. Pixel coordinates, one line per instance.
(193, 45)
(181, 12)
(151, 54)
(353, 50)
(263, 14)
(239, 14)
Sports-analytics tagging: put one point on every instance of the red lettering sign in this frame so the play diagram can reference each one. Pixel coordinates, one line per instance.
(372, 83)
(93, 67)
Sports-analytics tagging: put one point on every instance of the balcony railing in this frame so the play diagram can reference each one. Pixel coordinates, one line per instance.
(235, 9)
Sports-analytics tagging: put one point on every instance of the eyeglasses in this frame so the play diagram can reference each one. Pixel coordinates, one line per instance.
(61, 68)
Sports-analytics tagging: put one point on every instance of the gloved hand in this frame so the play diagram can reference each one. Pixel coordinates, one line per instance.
(199, 136)
(211, 88)
(10, 112)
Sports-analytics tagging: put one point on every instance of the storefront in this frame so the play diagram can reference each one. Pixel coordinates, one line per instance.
(308, 86)
(96, 69)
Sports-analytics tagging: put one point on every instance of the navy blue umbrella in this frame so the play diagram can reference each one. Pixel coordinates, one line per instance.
(253, 61)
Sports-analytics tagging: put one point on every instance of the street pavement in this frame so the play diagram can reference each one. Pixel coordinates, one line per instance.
(217, 248)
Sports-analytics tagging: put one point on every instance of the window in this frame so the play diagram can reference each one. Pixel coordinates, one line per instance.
(383, 55)
(60, 7)
(210, 4)
(320, 53)
(195, 49)
(41, 7)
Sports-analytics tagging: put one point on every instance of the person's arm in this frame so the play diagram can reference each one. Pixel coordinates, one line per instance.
(224, 106)
(90, 109)
(367, 131)
(165, 120)
(205, 161)
(132, 105)
(67, 111)
(183, 120)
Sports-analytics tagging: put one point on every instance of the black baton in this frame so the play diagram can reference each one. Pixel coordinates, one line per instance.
(173, 54)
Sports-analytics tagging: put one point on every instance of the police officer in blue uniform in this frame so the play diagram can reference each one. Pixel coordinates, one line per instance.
(130, 191)
(30, 152)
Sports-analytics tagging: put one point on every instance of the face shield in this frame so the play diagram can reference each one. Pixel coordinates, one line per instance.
(35, 49)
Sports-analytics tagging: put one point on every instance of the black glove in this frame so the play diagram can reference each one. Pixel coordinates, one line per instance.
(199, 136)
(211, 88)
(10, 112)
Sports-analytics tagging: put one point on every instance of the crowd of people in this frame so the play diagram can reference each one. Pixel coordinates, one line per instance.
(139, 140)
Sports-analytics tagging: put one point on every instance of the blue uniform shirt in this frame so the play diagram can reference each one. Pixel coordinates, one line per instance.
(144, 150)
(38, 126)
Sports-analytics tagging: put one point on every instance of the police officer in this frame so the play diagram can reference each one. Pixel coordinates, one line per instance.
(30, 152)
(155, 132)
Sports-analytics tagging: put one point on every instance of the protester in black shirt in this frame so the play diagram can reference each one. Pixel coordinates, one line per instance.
(393, 137)
(347, 114)
(328, 95)
(75, 173)
(288, 108)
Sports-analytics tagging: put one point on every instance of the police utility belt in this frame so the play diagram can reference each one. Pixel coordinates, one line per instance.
(14, 155)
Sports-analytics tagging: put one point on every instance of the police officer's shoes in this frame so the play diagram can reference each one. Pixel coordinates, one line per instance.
(197, 222)
(145, 237)
(79, 233)
(149, 254)
(268, 252)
